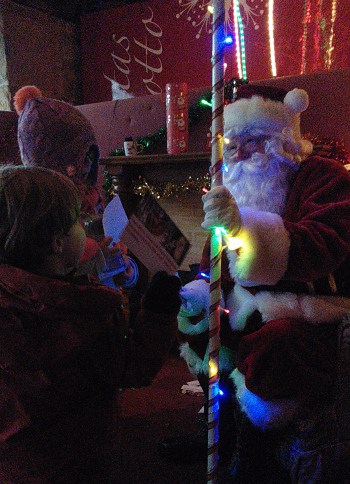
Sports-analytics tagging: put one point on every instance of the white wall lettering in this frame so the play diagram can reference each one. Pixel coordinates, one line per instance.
(149, 57)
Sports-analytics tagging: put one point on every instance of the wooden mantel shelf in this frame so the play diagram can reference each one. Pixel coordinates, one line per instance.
(112, 163)
(156, 169)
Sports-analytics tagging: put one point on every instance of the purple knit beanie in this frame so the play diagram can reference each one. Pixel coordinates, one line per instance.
(54, 134)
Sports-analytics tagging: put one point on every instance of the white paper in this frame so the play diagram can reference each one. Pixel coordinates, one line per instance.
(114, 219)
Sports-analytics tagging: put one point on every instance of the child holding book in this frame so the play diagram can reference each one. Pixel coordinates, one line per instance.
(54, 134)
(65, 348)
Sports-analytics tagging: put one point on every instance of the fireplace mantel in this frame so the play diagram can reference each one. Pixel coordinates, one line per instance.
(186, 211)
(156, 168)
(113, 163)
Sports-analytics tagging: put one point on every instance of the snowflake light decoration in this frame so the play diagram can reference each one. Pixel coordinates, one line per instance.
(197, 13)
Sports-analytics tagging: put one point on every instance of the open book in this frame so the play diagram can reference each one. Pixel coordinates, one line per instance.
(150, 234)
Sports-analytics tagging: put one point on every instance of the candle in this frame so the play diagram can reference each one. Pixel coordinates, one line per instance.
(177, 117)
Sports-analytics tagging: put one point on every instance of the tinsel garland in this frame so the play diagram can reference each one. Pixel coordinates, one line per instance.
(329, 148)
(150, 141)
(198, 184)
(325, 147)
(167, 189)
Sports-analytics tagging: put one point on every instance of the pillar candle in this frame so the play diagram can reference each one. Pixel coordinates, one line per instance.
(177, 117)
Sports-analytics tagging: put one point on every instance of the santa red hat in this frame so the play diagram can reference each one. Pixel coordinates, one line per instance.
(268, 110)
(54, 134)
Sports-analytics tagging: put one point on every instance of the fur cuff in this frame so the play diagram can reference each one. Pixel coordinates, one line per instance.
(264, 246)
(273, 305)
(314, 309)
(241, 304)
(263, 414)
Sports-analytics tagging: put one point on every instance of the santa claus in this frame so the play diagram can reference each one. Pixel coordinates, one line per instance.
(285, 283)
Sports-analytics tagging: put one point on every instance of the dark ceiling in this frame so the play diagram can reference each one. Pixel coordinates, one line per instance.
(72, 9)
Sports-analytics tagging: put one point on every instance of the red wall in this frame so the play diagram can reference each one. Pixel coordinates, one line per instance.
(145, 45)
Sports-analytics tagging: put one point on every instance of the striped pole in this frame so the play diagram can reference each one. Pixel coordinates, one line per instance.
(218, 82)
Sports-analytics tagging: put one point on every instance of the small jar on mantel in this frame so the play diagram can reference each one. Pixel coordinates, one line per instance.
(177, 117)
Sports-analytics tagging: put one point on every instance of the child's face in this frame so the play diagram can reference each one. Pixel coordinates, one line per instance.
(74, 246)
(88, 162)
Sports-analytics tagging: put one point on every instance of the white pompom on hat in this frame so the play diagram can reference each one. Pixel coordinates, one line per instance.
(269, 110)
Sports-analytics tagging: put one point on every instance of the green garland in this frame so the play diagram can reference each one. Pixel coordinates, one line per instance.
(148, 142)
(194, 115)
(324, 147)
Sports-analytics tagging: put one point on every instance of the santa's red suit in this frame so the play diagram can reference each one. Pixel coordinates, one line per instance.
(287, 288)
(302, 262)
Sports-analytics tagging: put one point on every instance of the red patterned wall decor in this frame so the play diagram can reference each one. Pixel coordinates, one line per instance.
(143, 46)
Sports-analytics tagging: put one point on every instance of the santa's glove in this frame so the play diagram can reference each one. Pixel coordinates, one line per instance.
(221, 210)
(163, 294)
(195, 298)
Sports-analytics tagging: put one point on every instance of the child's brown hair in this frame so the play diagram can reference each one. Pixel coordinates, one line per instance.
(35, 205)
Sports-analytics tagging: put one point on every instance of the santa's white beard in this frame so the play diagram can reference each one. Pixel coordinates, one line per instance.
(261, 182)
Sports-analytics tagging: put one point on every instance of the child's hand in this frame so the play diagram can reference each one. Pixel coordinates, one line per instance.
(110, 252)
(128, 277)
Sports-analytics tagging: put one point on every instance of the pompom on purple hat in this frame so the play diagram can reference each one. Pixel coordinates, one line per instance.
(54, 134)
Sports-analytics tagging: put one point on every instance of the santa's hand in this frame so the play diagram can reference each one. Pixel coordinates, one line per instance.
(221, 210)
(195, 298)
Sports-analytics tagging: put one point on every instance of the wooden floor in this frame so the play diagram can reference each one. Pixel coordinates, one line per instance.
(149, 415)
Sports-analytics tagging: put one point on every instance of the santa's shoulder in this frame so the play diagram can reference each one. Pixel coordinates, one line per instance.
(320, 164)
(316, 171)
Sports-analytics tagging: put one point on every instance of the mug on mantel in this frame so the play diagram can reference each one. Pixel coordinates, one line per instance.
(132, 148)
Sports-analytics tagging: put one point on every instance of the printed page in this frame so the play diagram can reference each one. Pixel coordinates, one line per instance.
(154, 237)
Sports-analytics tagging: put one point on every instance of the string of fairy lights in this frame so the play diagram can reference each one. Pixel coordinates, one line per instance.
(323, 37)
(317, 19)
(240, 41)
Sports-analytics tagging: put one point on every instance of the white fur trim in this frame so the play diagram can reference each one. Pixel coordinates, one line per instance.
(314, 309)
(273, 305)
(241, 304)
(297, 100)
(263, 255)
(265, 414)
(194, 363)
(257, 113)
(195, 298)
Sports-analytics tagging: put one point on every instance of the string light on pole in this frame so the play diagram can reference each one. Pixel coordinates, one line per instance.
(306, 21)
(272, 40)
(331, 36)
(240, 43)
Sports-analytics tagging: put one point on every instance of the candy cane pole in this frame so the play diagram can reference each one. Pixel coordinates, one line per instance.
(216, 238)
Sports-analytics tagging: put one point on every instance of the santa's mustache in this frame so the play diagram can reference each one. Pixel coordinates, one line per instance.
(261, 182)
